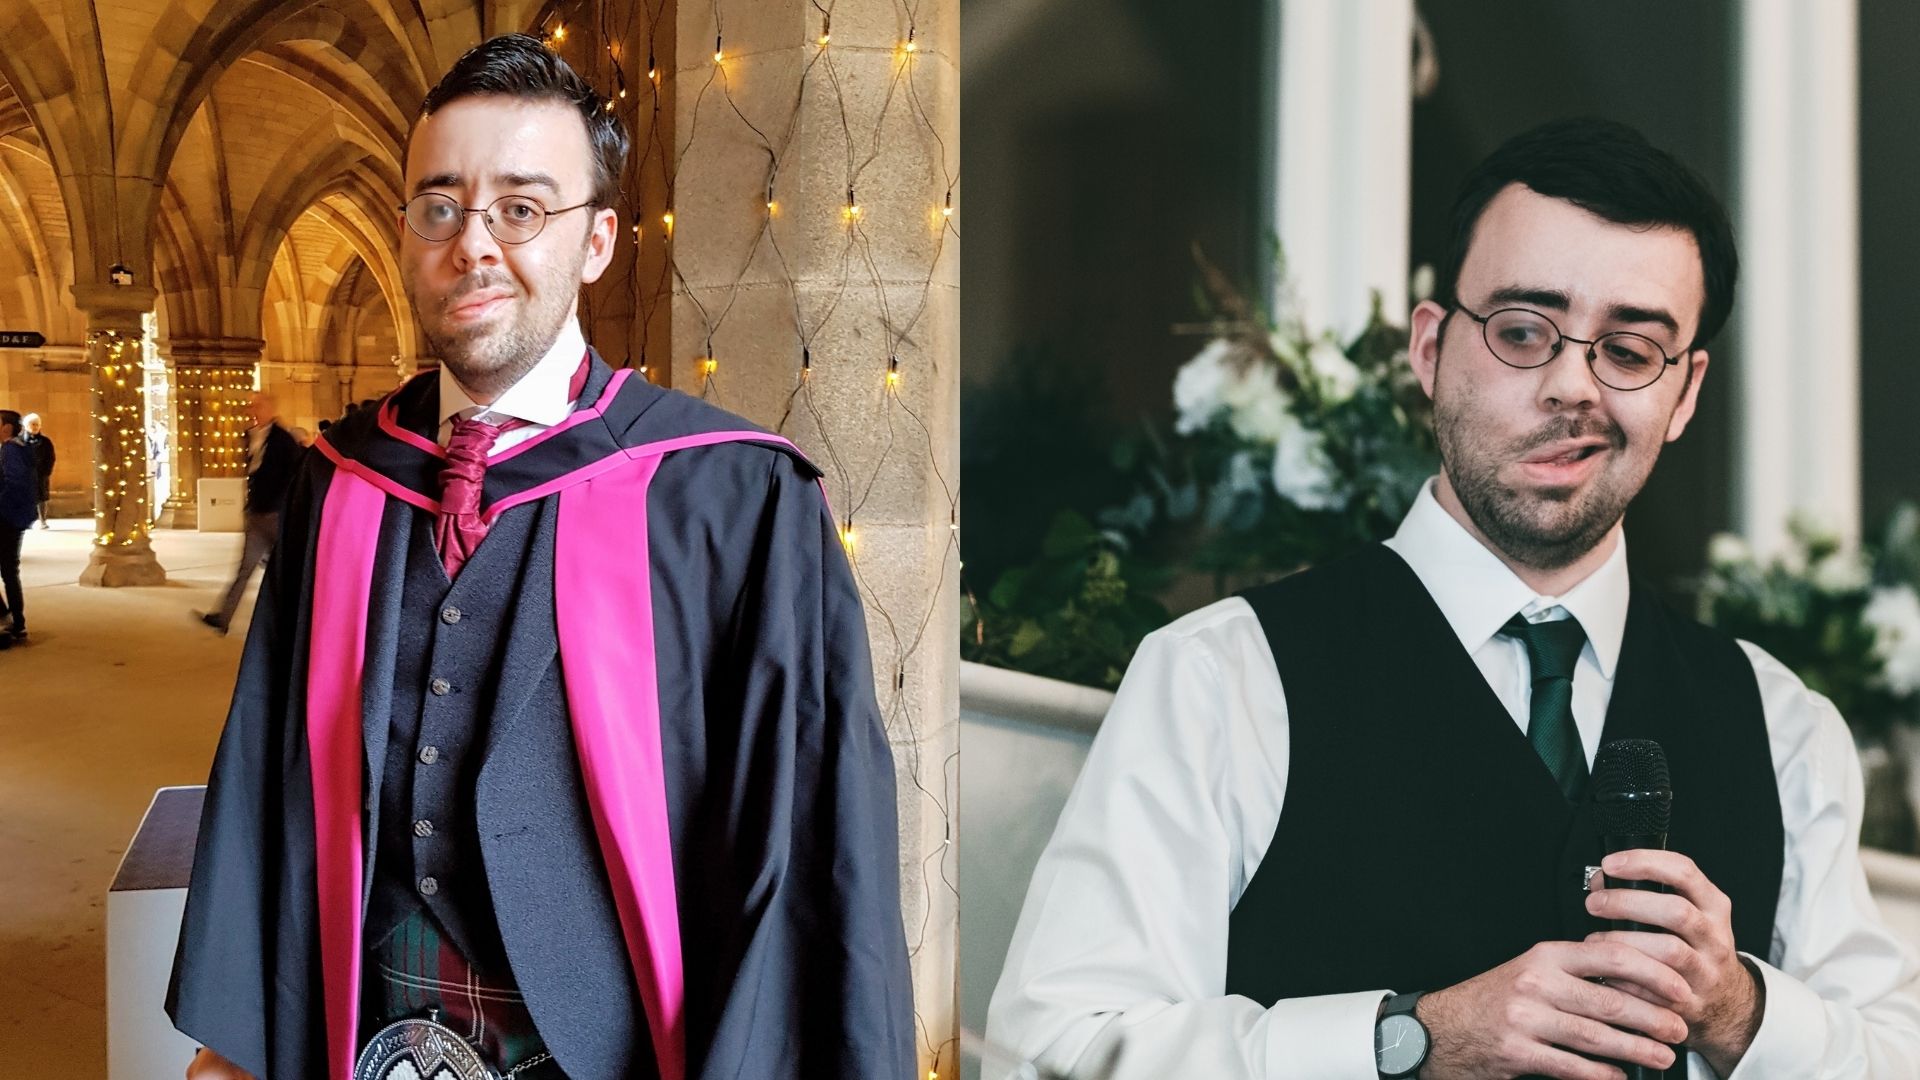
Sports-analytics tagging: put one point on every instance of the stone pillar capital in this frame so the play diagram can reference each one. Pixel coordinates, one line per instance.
(213, 352)
(115, 307)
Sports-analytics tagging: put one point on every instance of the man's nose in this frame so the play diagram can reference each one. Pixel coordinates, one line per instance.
(474, 244)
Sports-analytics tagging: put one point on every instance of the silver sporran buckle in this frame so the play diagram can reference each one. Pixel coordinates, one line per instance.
(419, 1050)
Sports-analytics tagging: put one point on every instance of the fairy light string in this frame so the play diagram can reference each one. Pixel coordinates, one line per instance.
(854, 300)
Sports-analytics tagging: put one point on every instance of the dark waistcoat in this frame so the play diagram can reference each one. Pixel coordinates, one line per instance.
(519, 883)
(445, 678)
(1422, 841)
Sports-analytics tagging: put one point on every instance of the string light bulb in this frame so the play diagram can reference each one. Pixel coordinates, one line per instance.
(826, 29)
(560, 32)
(709, 365)
(846, 536)
(911, 45)
(893, 373)
(718, 53)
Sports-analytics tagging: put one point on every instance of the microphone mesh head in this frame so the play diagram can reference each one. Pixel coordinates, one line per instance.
(1632, 793)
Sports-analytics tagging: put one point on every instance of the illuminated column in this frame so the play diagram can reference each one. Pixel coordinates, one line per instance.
(212, 380)
(122, 552)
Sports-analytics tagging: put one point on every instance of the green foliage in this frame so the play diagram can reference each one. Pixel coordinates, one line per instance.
(1290, 449)
(1820, 611)
(1075, 613)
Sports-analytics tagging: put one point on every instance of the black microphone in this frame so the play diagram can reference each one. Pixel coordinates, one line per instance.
(1633, 805)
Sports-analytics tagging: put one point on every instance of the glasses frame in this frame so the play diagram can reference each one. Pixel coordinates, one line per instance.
(1486, 330)
(486, 216)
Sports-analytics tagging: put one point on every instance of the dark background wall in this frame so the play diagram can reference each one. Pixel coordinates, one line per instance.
(1103, 138)
(1889, 256)
(1663, 67)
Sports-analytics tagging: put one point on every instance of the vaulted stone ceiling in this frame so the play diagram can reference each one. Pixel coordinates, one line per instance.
(244, 156)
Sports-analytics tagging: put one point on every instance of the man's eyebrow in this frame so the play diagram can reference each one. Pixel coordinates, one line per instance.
(505, 180)
(1632, 313)
(1558, 300)
(527, 179)
(1551, 299)
(437, 180)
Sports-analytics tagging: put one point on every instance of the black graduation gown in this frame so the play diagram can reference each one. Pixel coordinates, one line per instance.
(778, 779)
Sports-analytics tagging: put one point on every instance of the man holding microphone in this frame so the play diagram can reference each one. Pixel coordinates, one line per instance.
(1336, 827)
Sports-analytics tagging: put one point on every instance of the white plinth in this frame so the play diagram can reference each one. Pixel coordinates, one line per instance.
(223, 503)
(144, 906)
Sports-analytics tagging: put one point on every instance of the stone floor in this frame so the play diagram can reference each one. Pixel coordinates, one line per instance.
(118, 692)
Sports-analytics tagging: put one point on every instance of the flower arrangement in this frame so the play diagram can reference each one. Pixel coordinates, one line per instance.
(1848, 623)
(1291, 447)
(1288, 447)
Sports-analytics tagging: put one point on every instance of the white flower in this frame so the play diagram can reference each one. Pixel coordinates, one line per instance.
(1422, 284)
(1894, 615)
(1257, 408)
(1200, 387)
(1337, 376)
(1839, 573)
(1286, 348)
(1728, 550)
(1301, 472)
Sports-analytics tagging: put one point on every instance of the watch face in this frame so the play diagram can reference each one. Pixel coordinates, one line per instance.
(1399, 1044)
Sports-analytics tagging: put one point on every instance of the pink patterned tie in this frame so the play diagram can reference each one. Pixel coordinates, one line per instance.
(460, 529)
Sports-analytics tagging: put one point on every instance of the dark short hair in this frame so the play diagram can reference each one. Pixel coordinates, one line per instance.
(1610, 170)
(8, 416)
(521, 66)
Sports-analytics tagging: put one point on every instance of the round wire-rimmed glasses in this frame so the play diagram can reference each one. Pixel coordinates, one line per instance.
(1523, 338)
(512, 219)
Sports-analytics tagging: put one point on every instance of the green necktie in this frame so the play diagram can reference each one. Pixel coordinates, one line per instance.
(1553, 648)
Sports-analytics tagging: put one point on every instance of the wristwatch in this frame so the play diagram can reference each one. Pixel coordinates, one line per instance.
(1400, 1041)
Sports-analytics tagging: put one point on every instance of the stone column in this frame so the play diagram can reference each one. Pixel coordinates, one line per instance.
(211, 378)
(821, 298)
(122, 552)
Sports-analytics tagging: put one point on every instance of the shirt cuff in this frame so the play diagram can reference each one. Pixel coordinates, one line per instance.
(1328, 1037)
(1793, 1030)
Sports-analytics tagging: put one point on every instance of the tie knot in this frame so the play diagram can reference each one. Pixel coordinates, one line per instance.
(1552, 647)
(471, 438)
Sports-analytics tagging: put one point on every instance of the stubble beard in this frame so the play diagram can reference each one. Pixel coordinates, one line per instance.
(486, 359)
(1547, 529)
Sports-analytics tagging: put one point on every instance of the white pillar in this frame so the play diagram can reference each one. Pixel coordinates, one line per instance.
(1797, 219)
(1345, 114)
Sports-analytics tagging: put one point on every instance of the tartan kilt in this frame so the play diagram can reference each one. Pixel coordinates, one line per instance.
(417, 972)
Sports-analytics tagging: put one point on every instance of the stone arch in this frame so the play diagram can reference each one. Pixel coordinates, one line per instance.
(31, 248)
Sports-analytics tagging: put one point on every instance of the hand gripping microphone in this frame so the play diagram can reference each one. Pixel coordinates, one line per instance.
(1633, 804)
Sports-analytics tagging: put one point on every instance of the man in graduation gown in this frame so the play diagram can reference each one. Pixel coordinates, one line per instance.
(1337, 827)
(555, 724)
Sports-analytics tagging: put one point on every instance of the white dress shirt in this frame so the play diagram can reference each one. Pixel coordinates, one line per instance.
(1119, 960)
(540, 397)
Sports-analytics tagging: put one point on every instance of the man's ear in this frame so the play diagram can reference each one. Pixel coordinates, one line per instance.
(1690, 398)
(1423, 342)
(606, 226)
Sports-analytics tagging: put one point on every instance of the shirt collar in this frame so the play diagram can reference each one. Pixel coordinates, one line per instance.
(1477, 593)
(540, 397)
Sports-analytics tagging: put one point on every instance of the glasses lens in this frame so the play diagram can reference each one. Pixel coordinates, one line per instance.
(1627, 361)
(434, 216)
(515, 219)
(1521, 338)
